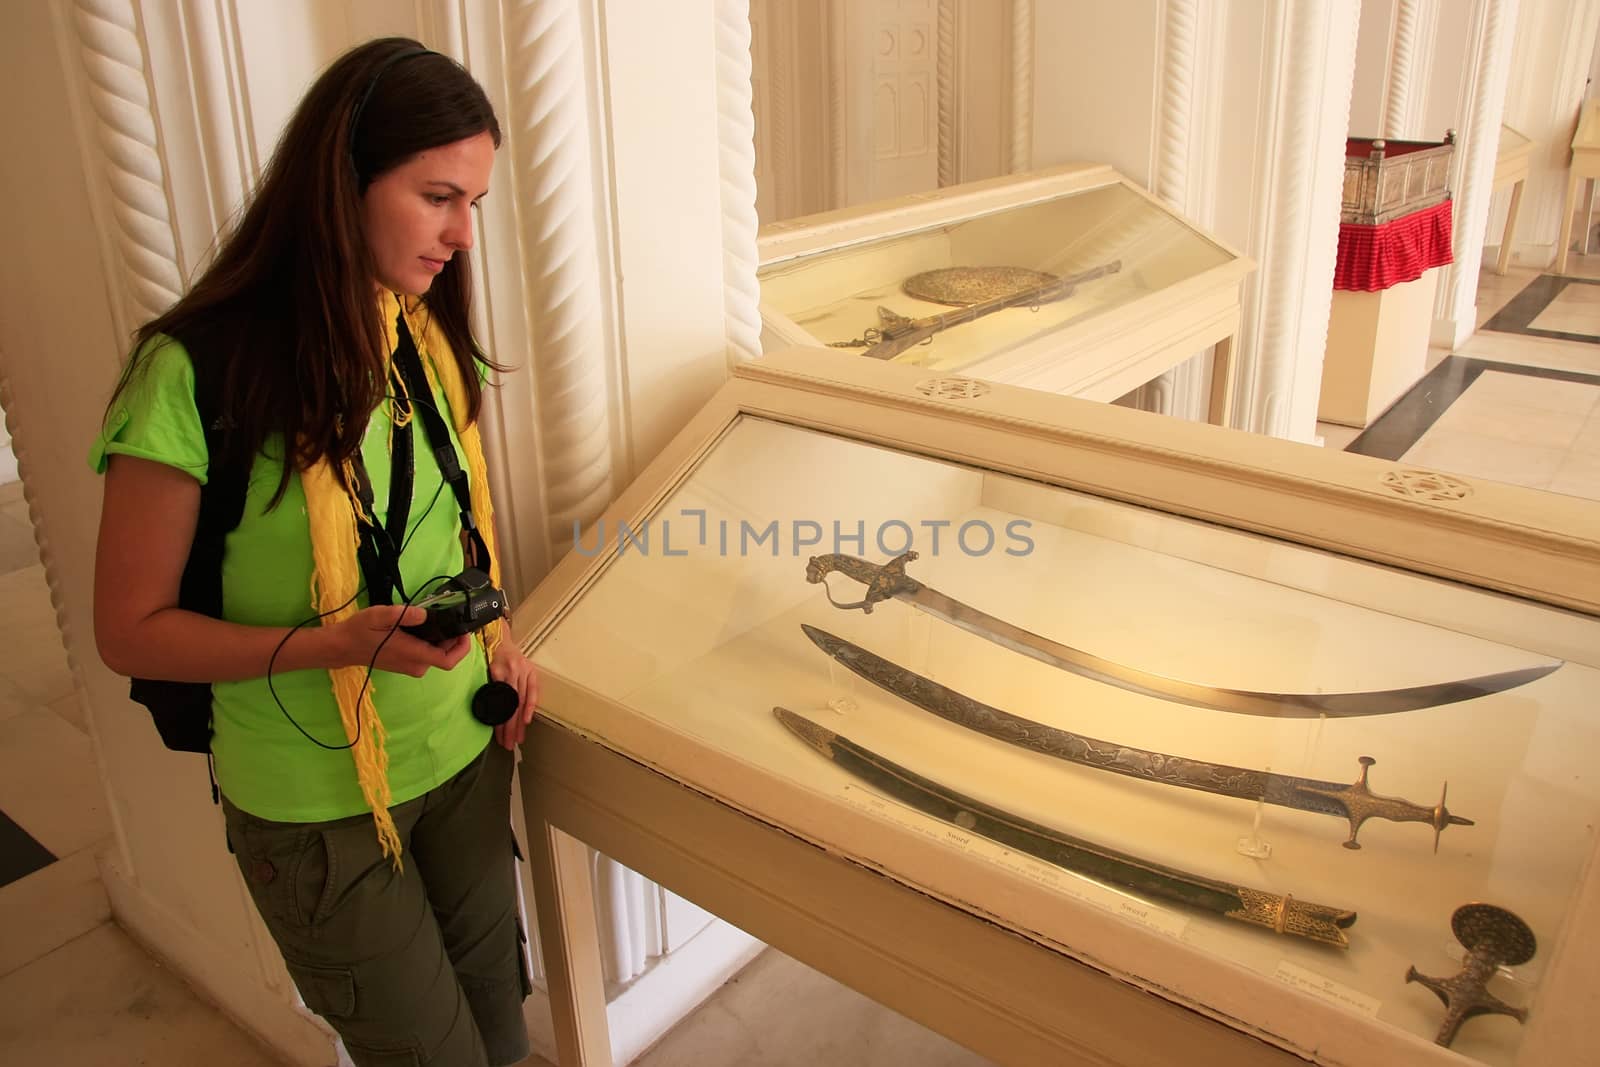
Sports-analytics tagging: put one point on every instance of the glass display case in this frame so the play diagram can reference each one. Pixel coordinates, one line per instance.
(1071, 280)
(1290, 739)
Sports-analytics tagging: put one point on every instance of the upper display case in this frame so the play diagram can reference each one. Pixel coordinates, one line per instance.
(1070, 280)
(1299, 741)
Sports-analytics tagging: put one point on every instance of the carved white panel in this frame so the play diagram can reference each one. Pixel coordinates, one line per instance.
(888, 95)
(903, 74)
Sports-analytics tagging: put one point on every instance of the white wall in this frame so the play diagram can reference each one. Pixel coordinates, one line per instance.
(1094, 88)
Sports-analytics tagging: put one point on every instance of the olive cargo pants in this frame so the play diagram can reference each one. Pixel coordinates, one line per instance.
(417, 968)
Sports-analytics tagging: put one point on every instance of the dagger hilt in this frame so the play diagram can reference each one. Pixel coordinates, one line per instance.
(1360, 803)
(883, 582)
(1492, 936)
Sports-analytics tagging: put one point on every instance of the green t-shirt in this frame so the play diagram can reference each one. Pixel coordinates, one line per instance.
(263, 764)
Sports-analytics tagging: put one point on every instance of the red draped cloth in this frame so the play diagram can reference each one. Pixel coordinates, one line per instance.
(1376, 257)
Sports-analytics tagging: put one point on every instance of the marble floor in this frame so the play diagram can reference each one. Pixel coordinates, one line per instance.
(1519, 402)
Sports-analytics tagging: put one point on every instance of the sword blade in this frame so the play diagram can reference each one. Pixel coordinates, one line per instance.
(1354, 803)
(1241, 701)
(1282, 914)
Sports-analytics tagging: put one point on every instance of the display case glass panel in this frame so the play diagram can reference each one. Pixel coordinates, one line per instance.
(1189, 642)
(1068, 281)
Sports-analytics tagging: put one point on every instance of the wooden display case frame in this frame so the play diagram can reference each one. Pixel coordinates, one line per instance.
(925, 932)
(1101, 357)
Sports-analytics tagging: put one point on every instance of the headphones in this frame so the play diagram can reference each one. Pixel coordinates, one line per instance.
(366, 95)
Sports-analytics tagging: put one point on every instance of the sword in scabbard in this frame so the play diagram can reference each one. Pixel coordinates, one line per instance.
(1356, 803)
(1281, 914)
(890, 581)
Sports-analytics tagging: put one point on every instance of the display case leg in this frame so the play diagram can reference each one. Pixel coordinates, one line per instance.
(1588, 213)
(1504, 259)
(1573, 178)
(1221, 410)
(568, 936)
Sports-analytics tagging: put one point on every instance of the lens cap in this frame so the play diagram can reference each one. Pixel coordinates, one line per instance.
(494, 703)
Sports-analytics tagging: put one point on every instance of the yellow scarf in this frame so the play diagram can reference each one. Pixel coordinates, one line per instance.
(331, 514)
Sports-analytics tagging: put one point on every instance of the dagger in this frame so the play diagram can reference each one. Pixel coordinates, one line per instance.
(891, 581)
(1357, 802)
(1281, 914)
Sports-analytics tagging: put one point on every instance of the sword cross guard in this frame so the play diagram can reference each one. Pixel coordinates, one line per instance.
(1492, 936)
(883, 582)
(1360, 803)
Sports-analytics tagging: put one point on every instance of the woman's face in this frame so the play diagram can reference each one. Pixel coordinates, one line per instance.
(419, 214)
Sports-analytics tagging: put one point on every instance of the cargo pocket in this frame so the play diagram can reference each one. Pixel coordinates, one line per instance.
(383, 1055)
(328, 991)
(286, 869)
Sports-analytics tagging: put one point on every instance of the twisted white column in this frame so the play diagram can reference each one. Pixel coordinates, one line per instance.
(945, 78)
(1402, 64)
(113, 58)
(553, 178)
(736, 161)
(1179, 386)
(1476, 148)
(1021, 85)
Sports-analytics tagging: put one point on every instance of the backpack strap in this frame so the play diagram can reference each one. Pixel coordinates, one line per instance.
(182, 710)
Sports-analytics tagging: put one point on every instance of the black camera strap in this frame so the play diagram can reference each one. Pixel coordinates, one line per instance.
(378, 552)
(409, 363)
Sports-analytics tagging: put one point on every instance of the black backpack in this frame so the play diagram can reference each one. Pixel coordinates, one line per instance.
(182, 710)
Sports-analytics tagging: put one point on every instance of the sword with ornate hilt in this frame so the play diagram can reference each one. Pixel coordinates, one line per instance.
(896, 332)
(1281, 914)
(890, 581)
(1356, 803)
(1492, 936)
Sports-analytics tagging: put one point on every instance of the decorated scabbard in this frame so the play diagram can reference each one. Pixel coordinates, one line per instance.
(1281, 914)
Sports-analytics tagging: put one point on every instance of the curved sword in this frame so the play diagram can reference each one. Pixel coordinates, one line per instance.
(891, 580)
(1280, 914)
(1357, 803)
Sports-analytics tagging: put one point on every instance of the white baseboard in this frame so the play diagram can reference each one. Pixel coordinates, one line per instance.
(299, 1037)
(662, 997)
(1452, 333)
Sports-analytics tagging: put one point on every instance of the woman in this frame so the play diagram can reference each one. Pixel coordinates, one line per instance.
(366, 804)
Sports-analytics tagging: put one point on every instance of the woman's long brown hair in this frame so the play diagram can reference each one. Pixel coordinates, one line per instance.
(288, 304)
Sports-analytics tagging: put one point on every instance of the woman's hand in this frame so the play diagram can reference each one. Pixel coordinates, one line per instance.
(516, 670)
(147, 523)
(376, 630)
